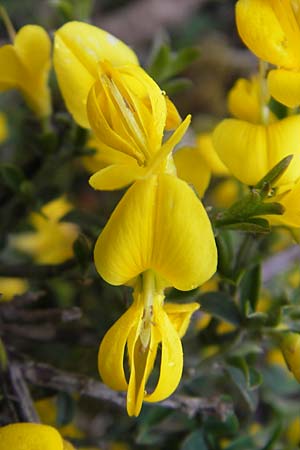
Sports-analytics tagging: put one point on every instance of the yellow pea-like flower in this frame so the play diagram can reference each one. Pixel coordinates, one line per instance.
(145, 325)
(149, 244)
(25, 65)
(52, 241)
(31, 436)
(271, 30)
(148, 231)
(78, 47)
(246, 101)
(128, 112)
(251, 150)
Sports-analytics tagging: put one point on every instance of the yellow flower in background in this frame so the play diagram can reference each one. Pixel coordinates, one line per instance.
(293, 432)
(3, 128)
(271, 30)
(25, 65)
(128, 113)
(31, 436)
(52, 241)
(207, 151)
(290, 347)
(149, 244)
(250, 150)
(245, 101)
(9, 287)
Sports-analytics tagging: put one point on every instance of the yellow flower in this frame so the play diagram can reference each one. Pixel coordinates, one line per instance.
(128, 112)
(31, 436)
(9, 287)
(251, 150)
(293, 432)
(3, 128)
(52, 242)
(25, 66)
(144, 326)
(245, 101)
(271, 29)
(78, 49)
(149, 244)
(290, 347)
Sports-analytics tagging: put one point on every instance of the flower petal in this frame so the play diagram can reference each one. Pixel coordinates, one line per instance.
(192, 168)
(33, 436)
(250, 151)
(209, 154)
(171, 360)
(270, 30)
(112, 348)
(173, 117)
(284, 86)
(148, 230)
(242, 146)
(115, 176)
(291, 215)
(11, 68)
(33, 47)
(78, 48)
(180, 315)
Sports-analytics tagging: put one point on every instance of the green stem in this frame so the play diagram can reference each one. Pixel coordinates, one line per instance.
(8, 24)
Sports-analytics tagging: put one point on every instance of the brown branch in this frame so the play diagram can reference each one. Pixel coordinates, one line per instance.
(12, 314)
(20, 389)
(47, 376)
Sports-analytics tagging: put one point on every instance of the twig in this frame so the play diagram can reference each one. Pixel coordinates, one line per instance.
(27, 410)
(45, 375)
(11, 314)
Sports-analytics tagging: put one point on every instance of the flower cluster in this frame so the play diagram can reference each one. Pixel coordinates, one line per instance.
(159, 234)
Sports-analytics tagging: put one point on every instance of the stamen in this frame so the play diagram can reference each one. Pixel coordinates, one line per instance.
(127, 114)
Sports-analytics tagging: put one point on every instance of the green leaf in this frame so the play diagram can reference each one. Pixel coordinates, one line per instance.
(252, 226)
(239, 381)
(82, 251)
(250, 287)
(194, 441)
(176, 85)
(255, 378)
(220, 305)
(274, 437)
(256, 319)
(225, 253)
(159, 62)
(275, 173)
(242, 443)
(11, 176)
